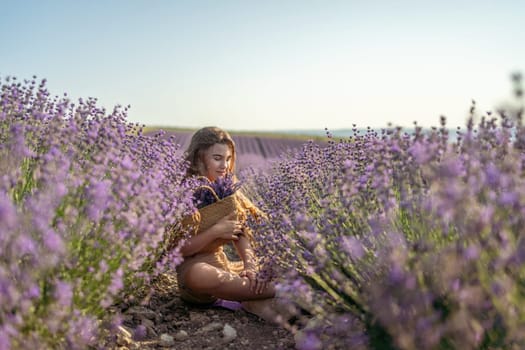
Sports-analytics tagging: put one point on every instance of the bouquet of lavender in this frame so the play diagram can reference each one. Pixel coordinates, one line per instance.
(209, 192)
(214, 200)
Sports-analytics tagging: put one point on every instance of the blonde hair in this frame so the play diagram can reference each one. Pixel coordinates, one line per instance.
(202, 140)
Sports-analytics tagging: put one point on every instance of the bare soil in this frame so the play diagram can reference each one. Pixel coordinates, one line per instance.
(164, 321)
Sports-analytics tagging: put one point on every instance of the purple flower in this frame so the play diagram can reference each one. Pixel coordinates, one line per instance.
(352, 246)
(25, 245)
(63, 293)
(53, 241)
(420, 152)
(127, 163)
(5, 342)
(310, 239)
(116, 282)
(82, 331)
(98, 195)
(99, 192)
(492, 174)
(508, 198)
(309, 341)
(471, 253)
(451, 167)
(8, 216)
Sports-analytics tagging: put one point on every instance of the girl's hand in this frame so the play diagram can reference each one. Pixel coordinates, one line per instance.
(257, 285)
(228, 228)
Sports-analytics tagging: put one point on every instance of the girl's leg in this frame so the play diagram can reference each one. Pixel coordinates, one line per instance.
(207, 279)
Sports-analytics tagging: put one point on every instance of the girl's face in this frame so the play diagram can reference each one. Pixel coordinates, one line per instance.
(217, 161)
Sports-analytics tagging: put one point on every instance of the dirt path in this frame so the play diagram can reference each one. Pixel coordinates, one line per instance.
(168, 323)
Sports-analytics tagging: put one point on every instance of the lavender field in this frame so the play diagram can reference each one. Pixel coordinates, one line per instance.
(382, 240)
(255, 150)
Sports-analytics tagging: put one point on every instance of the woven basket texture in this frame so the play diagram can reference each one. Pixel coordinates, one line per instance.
(212, 213)
(206, 217)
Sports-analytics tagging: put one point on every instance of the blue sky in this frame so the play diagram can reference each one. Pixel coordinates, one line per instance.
(271, 65)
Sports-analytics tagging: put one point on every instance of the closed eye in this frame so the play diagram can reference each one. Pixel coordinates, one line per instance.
(228, 159)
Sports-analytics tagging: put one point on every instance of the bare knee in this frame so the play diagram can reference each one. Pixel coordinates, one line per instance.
(202, 277)
(207, 279)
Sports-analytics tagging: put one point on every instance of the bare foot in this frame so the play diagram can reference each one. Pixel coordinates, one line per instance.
(267, 310)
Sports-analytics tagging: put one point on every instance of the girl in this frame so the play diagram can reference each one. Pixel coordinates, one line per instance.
(206, 275)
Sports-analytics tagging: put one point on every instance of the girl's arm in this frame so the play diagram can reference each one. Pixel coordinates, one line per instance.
(196, 243)
(228, 228)
(246, 253)
(245, 250)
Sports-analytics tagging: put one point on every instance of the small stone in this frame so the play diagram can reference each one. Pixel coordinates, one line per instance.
(123, 341)
(210, 327)
(124, 331)
(141, 311)
(178, 324)
(127, 318)
(229, 333)
(181, 335)
(166, 340)
(163, 328)
(198, 318)
(123, 337)
(147, 323)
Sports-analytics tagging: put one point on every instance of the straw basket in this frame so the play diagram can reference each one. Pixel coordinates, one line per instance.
(209, 215)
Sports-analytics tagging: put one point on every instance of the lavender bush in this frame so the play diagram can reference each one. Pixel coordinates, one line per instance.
(402, 241)
(84, 200)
